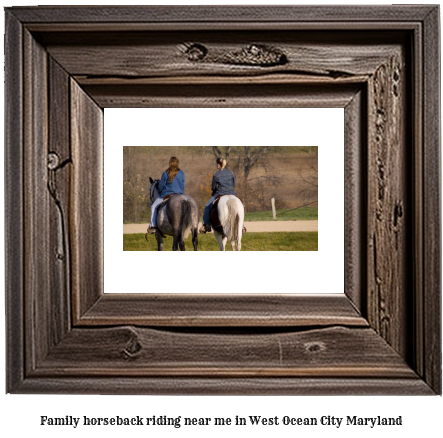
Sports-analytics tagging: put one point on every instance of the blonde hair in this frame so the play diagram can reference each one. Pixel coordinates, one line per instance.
(173, 168)
(221, 162)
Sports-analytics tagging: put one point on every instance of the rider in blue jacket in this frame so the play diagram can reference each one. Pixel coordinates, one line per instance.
(172, 181)
(223, 183)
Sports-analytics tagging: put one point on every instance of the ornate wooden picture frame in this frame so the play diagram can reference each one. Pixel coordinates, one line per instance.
(64, 65)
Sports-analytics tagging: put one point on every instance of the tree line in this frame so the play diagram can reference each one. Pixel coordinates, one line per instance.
(261, 173)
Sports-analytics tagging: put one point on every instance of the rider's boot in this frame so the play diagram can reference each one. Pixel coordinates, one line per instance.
(151, 229)
(205, 229)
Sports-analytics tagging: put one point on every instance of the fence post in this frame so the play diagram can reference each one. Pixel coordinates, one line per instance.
(274, 216)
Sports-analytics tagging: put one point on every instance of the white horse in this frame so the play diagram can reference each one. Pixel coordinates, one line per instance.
(227, 221)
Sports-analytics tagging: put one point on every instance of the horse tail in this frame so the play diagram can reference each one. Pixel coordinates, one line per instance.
(234, 220)
(186, 220)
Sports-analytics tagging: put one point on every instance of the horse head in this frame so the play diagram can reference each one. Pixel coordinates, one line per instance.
(153, 190)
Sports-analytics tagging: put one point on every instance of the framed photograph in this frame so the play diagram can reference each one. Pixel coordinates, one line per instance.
(65, 334)
(264, 182)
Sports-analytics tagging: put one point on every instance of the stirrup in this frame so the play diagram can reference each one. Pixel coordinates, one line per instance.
(243, 230)
(151, 230)
(205, 229)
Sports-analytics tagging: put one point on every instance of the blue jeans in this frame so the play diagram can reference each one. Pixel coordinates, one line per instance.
(154, 206)
(208, 206)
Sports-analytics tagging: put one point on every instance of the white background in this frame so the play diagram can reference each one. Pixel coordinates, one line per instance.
(245, 272)
(20, 414)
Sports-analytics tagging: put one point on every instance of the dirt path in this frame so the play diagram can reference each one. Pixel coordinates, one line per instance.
(253, 227)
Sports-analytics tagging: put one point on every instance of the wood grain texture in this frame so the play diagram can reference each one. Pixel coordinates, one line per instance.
(166, 54)
(431, 321)
(233, 26)
(129, 351)
(59, 180)
(226, 386)
(205, 310)
(14, 239)
(355, 195)
(86, 200)
(37, 306)
(227, 14)
(388, 204)
(417, 357)
(226, 96)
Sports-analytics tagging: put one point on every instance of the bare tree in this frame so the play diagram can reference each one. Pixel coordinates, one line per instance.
(243, 161)
(218, 153)
(309, 178)
(251, 156)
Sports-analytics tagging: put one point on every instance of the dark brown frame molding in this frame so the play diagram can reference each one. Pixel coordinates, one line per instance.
(65, 64)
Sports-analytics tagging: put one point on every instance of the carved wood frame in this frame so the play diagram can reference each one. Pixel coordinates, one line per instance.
(65, 336)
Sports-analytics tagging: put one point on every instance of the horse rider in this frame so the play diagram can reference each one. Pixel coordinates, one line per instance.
(171, 182)
(223, 183)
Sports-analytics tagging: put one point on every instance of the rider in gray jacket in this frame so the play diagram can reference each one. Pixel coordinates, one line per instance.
(223, 183)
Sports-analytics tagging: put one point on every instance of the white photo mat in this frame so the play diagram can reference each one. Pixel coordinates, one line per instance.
(266, 272)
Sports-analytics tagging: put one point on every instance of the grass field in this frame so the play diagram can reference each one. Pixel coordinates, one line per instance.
(300, 214)
(293, 241)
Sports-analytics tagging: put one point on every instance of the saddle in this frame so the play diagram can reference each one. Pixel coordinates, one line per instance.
(165, 200)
